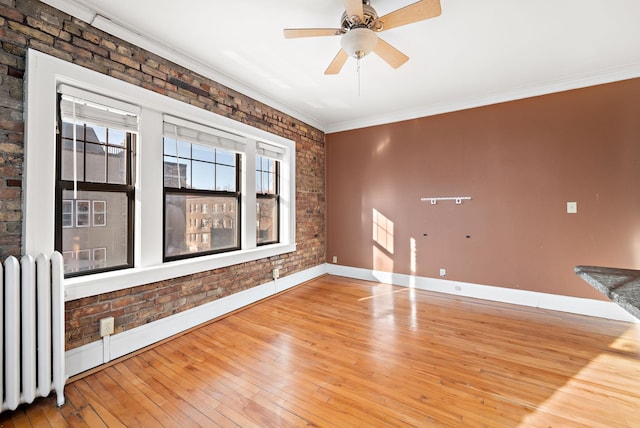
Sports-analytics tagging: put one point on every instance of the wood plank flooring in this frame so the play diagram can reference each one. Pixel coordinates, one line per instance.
(338, 352)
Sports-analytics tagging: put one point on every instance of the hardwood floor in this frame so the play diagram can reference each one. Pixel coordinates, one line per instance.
(339, 352)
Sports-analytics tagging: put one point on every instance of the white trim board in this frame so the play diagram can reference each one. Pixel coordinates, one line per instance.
(109, 348)
(554, 302)
(100, 352)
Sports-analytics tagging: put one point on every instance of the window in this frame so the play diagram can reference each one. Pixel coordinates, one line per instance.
(82, 213)
(201, 168)
(267, 200)
(67, 213)
(94, 149)
(99, 257)
(129, 228)
(99, 213)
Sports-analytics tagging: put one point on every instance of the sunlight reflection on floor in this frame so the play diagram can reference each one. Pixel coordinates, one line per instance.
(571, 398)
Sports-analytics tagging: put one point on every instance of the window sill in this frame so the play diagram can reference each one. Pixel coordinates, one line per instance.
(92, 285)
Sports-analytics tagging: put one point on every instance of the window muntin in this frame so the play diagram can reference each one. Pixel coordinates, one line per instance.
(195, 166)
(267, 200)
(94, 192)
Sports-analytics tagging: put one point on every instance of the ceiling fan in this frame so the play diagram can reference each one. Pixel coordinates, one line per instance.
(359, 25)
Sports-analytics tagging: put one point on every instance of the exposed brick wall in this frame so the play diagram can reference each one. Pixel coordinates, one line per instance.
(32, 24)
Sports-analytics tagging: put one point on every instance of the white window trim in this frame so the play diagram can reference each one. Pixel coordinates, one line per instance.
(44, 74)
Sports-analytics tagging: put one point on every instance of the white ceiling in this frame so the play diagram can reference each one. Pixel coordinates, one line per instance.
(477, 52)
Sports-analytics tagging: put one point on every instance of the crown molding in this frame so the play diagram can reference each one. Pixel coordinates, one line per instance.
(575, 82)
(97, 19)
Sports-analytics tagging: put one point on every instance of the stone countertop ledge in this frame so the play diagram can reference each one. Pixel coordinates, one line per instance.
(620, 285)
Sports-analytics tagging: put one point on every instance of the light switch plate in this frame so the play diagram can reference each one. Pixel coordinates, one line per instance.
(572, 207)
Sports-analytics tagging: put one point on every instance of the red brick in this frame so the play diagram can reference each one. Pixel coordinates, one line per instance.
(124, 59)
(11, 13)
(51, 31)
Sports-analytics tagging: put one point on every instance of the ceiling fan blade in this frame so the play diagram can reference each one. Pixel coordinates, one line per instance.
(337, 63)
(292, 33)
(391, 55)
(354, 8)
(418, 11)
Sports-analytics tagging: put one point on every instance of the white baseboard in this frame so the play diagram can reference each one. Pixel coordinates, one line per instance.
(100, 352)
(575, 305)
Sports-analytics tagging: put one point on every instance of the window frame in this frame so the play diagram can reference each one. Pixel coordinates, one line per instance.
(127, 189)
(275, 195)
(44, 74)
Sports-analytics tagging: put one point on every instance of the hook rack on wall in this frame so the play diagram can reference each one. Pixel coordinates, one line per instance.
(458, 199)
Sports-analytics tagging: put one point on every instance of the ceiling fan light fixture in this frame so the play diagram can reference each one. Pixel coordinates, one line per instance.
(359, 42)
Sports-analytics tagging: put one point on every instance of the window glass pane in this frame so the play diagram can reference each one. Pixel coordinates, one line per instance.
(186, 223)
(83, 208)
(117, 138)
(96, 163)
(103, 163)
(67, 160)
(203, 153)
(267, 181)
(226, 158)
(117, 165)
(175, 175)
(225, 178)
(184, 150)
(258, 183)
(169, 146)
(96, 134)
(99, 213)
(204, 175)
(100, 257)
(67, 130)
(267, 220)
(266, 175)
(101, 223)
(267, 164)
(67, 213)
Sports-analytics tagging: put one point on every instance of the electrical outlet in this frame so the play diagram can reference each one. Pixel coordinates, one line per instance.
(443, 272)
(572, 207)
(335, 259)
(276, 273)
(107, 326)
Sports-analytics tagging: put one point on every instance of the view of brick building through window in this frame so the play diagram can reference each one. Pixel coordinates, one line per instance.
(94, 222)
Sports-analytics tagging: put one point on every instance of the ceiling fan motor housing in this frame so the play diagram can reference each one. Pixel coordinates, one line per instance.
(370, 19)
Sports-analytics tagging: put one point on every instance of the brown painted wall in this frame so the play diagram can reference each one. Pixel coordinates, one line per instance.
(520, 162)
(32, 24)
